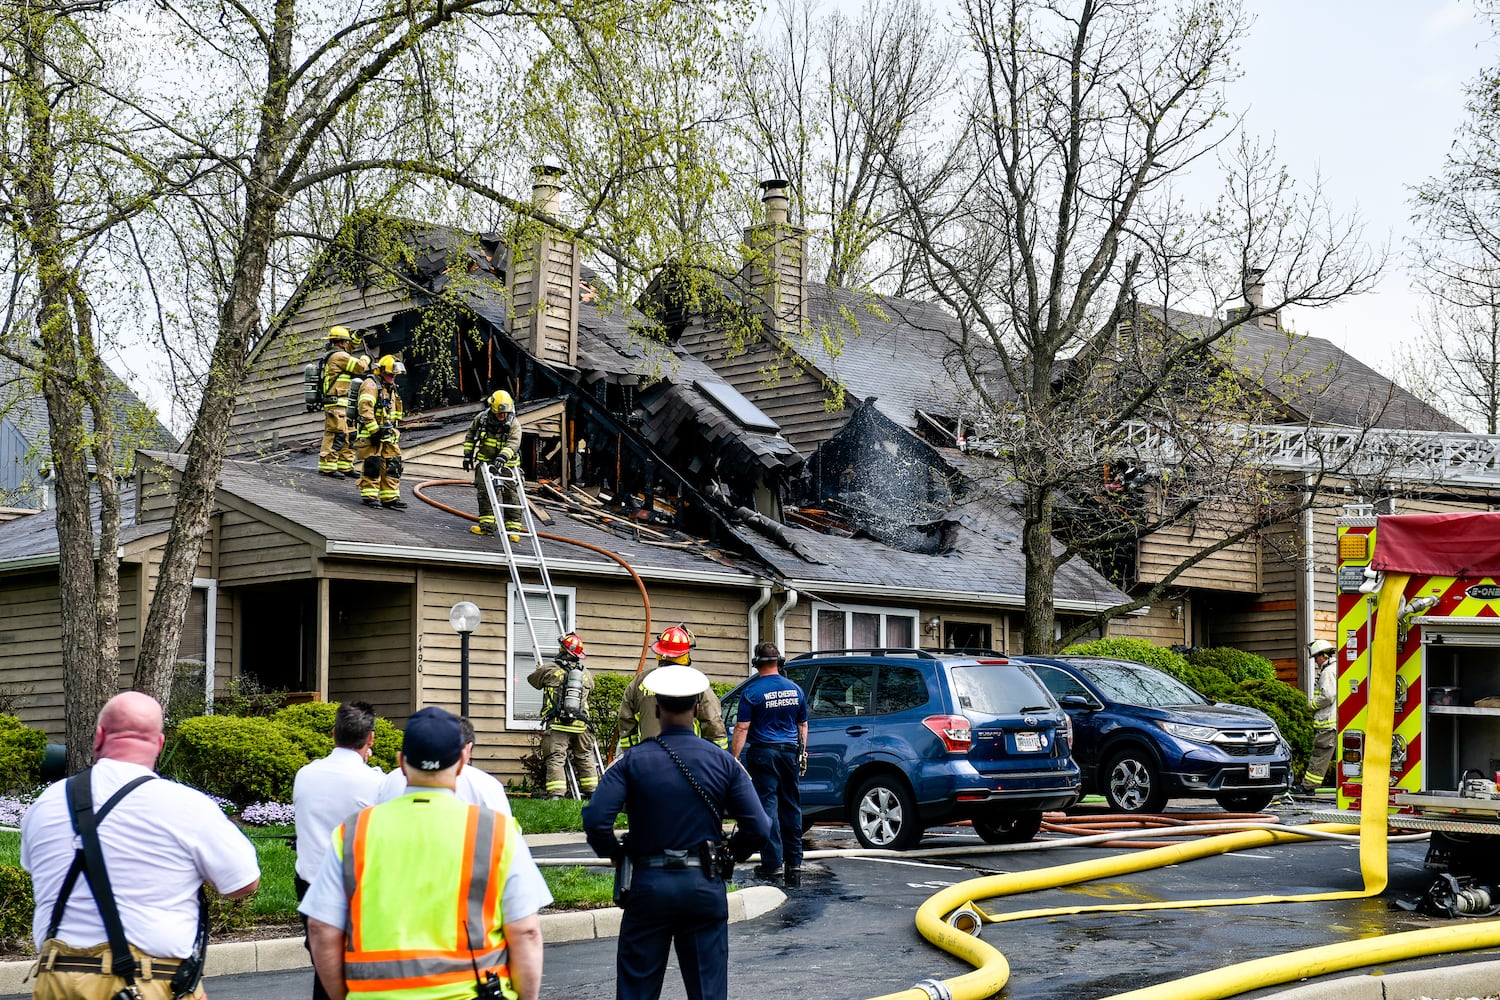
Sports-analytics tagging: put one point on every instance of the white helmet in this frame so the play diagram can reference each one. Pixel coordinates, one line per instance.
(1320, 646)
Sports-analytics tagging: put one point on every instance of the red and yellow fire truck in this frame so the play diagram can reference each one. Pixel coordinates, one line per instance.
(1445, 650)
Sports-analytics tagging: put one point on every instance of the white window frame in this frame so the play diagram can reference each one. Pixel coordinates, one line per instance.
(515, 627)
(849, 610)
(210, 628)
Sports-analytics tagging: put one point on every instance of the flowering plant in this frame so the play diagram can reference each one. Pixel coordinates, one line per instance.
(268, 814)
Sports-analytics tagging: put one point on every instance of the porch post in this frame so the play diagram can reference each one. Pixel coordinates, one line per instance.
(321, 666)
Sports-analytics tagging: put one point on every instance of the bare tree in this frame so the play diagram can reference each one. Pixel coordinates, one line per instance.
(824, 96)
(1052, 233)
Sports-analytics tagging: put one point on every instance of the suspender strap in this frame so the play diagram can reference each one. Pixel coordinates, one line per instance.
(89, 859)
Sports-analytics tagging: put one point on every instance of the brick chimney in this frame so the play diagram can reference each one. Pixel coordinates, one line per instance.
(1255, 298)
(544, 279)
(775, 274)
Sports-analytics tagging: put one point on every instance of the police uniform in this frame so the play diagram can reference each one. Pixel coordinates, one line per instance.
(674, 898)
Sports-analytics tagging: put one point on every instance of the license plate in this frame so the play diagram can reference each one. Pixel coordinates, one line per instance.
(1260, 772)
(1028, 741)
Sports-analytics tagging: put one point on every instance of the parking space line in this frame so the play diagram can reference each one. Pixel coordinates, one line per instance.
(914, 864)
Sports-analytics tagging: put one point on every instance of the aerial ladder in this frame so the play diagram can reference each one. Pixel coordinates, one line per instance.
(529, 545)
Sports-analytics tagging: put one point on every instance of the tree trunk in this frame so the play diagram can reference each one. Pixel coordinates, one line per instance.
(1041, 570)
(89, 678)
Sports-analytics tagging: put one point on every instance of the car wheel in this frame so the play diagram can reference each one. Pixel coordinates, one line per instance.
(1132, 783)
(885, 815)
(1015, 829)
(1253, 802)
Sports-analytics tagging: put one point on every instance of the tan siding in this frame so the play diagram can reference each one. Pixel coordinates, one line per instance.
(225, 667)
(132, 619)
(1235, 569)
(1159, 626)
(270, 414)
(438, 661)
(155, 498)
(251, 551)
(30, 650)
(370, 645)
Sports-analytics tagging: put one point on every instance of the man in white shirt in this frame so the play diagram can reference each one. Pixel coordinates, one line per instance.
(330, 790)
(160, 843)
(474, 786)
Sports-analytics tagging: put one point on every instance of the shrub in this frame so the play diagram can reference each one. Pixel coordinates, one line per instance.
(387, 742)
(604, 707)
(245, 759)
(21, 750)
(1136, 650)
(1237, 664)
(15, 902)
(1289, 709)
(310, 724)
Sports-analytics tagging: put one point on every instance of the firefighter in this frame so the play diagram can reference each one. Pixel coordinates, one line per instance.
(638, 707)
(379, 407)
(565, 684)
(338, 368)
(494, 438)
(1324, 703)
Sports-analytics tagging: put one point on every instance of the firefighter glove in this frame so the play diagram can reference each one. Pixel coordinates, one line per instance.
(468, 463)
(508, 457)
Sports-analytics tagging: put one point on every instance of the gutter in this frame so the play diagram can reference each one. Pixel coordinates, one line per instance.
(454, 557)
(1009, 601)
(753, 629)
(781, 613)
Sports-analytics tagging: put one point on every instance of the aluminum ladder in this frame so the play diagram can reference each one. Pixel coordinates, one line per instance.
(530, 544)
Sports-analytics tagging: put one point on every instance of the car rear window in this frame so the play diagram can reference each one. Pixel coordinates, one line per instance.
(1140, 685)
(998, 689)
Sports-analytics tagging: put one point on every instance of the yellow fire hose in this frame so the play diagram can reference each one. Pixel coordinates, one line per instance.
(992, 971)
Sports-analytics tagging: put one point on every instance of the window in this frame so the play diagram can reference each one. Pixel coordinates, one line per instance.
(198, 629)
(900, 689)
(843, 690)
(855, 627)
(998, 689)
(1061, 683)
(523, 703)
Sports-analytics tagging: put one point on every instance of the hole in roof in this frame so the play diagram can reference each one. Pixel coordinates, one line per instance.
(733, 402)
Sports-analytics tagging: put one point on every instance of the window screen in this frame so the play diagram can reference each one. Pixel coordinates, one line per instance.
(525, 701)
(195, 628)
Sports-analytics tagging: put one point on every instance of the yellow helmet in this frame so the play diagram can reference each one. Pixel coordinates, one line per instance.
(389, 365)
(501, 405)
(340, 333)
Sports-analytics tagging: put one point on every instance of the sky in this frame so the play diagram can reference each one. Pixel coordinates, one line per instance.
(1368, 93)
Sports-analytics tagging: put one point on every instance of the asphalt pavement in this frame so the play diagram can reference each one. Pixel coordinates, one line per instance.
(849, 931)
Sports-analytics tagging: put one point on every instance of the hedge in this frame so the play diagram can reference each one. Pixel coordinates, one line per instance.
(21, 750)
(315, 719)
(15, 902)
(242, 758)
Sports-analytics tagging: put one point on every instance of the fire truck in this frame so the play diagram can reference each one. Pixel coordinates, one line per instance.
(1445, 701)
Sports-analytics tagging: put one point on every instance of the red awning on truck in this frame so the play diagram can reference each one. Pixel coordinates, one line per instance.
(1460, 544)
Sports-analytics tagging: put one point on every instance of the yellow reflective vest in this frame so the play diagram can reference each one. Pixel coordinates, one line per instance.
(425, 875)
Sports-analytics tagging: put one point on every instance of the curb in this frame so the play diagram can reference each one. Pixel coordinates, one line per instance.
(1477, 980)
(280, 954)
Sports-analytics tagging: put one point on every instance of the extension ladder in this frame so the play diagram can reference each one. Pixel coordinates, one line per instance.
(530, 544)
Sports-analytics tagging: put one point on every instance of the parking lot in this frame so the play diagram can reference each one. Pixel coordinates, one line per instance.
(849, 931)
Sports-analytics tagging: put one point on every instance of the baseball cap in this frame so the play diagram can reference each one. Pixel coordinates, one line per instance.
(434, 740)
(675, 681)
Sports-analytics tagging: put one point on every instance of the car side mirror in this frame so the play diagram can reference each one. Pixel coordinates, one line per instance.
(1077, 701)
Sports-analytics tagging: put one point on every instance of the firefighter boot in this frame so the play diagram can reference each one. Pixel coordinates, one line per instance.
(792, 875)
(513, 529)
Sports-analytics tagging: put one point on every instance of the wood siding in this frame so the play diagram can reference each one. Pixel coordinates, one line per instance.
(370, 651)
(270, 414)
(544, 301)
(1159, 625)
(795, 399)
(1235, 569)
(252, 551)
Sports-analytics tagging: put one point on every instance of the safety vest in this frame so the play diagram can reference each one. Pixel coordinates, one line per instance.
(424, 875)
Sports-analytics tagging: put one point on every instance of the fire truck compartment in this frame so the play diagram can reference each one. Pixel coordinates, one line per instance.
(1461, 735)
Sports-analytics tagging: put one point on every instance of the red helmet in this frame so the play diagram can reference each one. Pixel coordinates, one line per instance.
(674, 641)
(572, 645)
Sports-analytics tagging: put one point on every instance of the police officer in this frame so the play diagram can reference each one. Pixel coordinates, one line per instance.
(494, 438)
(1324, 705)
(637, 720)
(772, 721)
(565, 684)
(676, 789)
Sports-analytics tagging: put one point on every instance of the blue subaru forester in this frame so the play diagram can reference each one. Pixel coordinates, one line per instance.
(903, 739)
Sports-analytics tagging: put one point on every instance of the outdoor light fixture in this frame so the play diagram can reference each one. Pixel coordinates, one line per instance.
(465, 618)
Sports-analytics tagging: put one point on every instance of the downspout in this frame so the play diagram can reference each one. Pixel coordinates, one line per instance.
(781, 613)
(1309, 600)
(753, 629)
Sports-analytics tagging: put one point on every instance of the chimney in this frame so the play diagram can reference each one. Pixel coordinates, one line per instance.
(1255, 298)
(775, 276)
(543, 281)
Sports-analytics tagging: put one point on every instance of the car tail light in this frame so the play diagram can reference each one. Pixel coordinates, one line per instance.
(1065, 732)
(953, 730)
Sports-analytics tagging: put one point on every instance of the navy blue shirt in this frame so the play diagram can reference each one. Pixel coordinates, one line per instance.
(773, 705)
(665, 813)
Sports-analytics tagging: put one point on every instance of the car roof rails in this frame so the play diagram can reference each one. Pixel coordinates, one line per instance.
(921, 654)
(970, 651)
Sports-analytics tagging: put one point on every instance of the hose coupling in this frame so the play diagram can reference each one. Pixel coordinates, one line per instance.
(935, 989)
(966, 920)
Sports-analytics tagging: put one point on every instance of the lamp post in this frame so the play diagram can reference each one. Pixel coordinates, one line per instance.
(465, 618)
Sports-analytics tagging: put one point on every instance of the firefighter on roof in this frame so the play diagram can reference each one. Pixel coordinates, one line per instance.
(565, 684)
(377, 410)
(494, 439)
(638, 706)
(339, 367)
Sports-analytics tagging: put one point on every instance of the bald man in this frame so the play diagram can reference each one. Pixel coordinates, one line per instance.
(160, 843)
